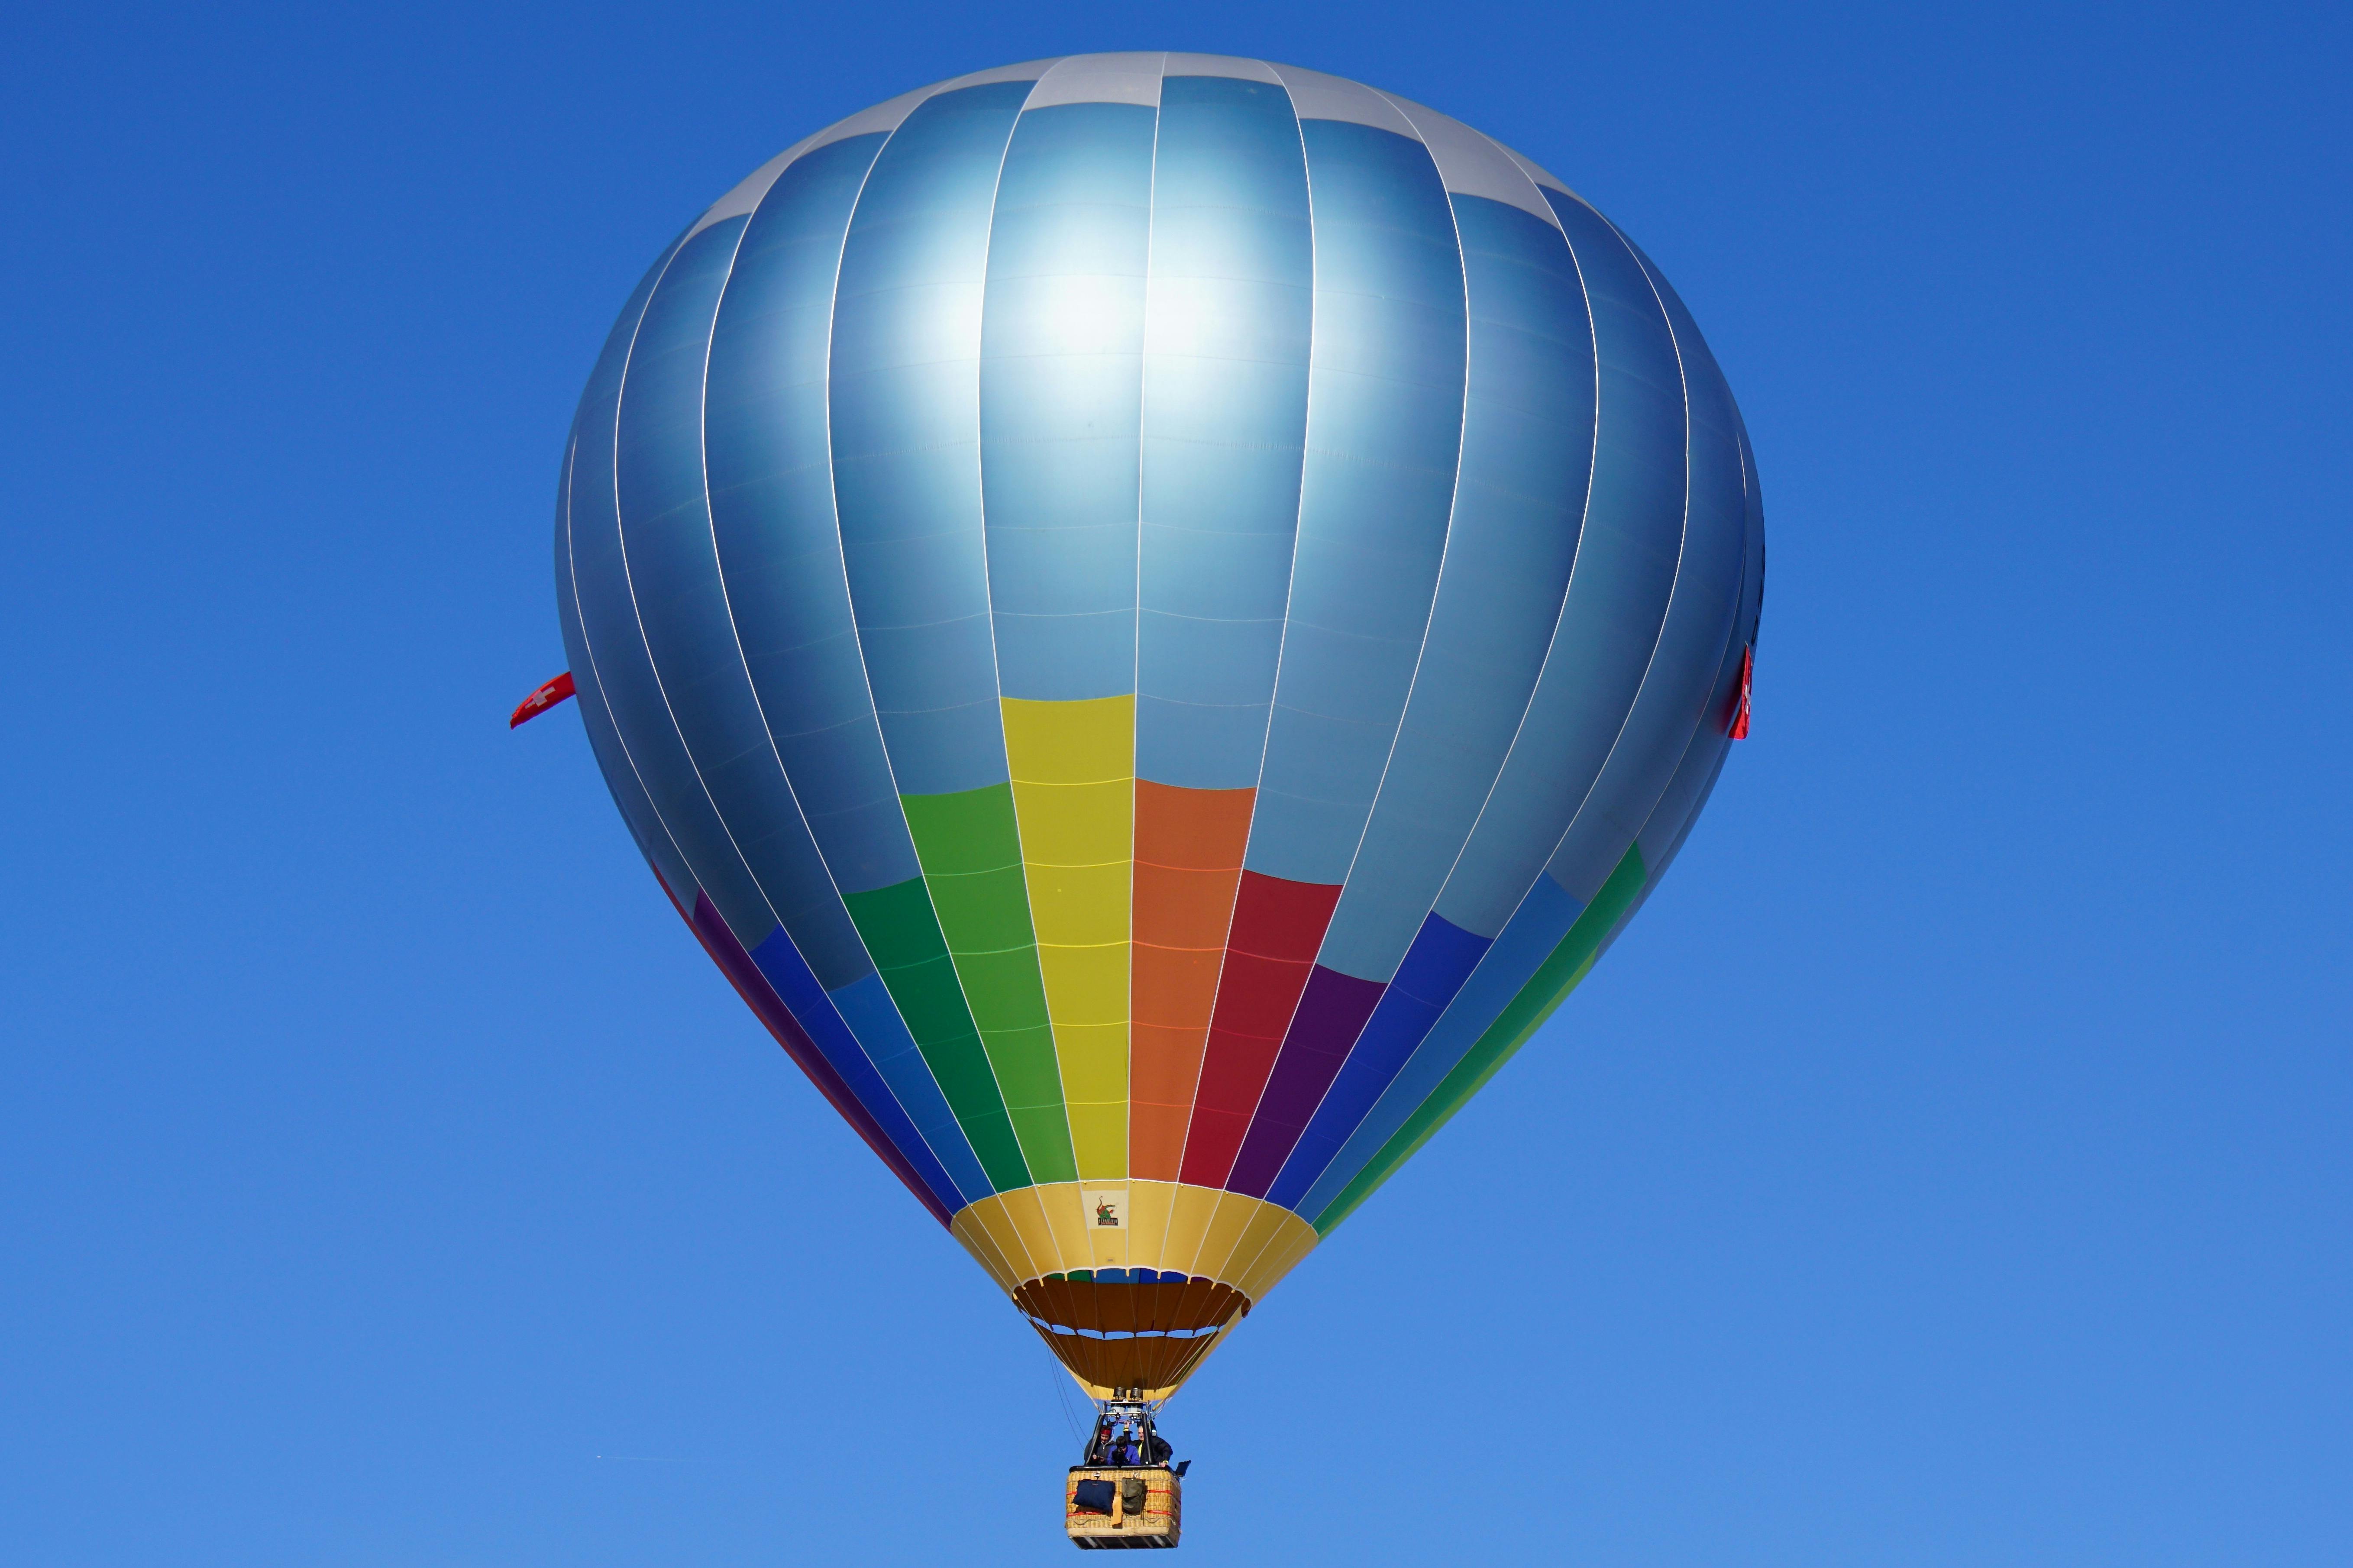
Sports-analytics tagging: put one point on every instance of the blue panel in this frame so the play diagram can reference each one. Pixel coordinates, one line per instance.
(1527, 443)
(1062, 371)
(1225, 412)
(682, 610)
(906, 437)
(866, 1006)
(1435, 968)
(1682, 678)
(617, 657)
(771, 481)
(1679, 805)
(1528, 939)
(1384, 431)
(612, 759)
(1617, 594)
(814, 1011)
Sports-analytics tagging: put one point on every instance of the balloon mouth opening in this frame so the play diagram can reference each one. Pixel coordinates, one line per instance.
(1124, 1334)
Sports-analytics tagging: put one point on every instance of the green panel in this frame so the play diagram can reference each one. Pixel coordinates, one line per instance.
(1546, 990)
(970, 848)
(1029, 1078)
(1003, 988)
(988, 909)
(897, 923)
(900, 931)
(973, 830)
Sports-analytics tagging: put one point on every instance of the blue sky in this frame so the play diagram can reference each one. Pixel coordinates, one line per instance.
(1950, 1166)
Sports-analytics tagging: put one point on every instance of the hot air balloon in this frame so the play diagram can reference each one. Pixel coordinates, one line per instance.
(1155, 613)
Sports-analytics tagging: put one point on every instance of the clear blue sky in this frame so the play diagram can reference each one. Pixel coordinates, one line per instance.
(1951, 1167)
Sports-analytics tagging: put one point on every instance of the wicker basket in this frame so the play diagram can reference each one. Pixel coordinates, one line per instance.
(1158, 1522)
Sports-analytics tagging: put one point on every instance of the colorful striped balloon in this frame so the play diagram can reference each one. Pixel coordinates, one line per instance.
(1155, 613)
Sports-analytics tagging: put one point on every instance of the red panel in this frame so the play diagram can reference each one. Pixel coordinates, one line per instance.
(1278, 926)
(1188, 853)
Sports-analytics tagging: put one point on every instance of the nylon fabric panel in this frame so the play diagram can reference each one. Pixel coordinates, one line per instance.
(906, 437)
(625, 674)
(1074, 798)
(1618, 592)
(1061, 368)
(1527, 444)
(1527, 433)
(771, 497)
(652, 839)
(771, 482)
(1188, 862)
(1535, 919)
(1278, 925)
(1385, 423)
(902, 932)
(1226, 323)
(868, 1012)
(1433, 973)
(1687, 794)
(970, 847)
(1544, 918)
(1332, 1011)
(1558, 975)
(1385, 420)
(673, 578)
(796, 990)
(733, 962)
(673, 574)
(621, 779)
(1677, 688)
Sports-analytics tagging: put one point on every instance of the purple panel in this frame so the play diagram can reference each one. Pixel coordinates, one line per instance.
(762, 998)
(1331, 1016)
(1440, 960)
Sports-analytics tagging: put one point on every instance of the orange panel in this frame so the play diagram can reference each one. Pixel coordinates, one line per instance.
(1204, 829)
(1187, 909)
(1188, 857)
(1177, 986)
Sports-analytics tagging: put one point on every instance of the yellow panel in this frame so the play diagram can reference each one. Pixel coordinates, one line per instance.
(1279, 1259)
(1147, 1203)
(1099, 1134)
(1270, 1230)
(1074, 769)
(1094, 1059)
(1252, 1222)
(1098, 1144)
(1188, 1218)
(1226, 1227)
(975, 1240)
(1076, 822)
(1077, 906)
(1060, 1202)
(1070, 743)
(1086, 984)
(1264, 1223)
(1037, 1236)
(989, 1214)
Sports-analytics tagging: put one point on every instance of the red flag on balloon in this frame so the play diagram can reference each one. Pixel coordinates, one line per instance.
(545, 698)
(1739, 714)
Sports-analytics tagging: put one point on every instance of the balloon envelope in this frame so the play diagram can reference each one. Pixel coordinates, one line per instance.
(1155, 613)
